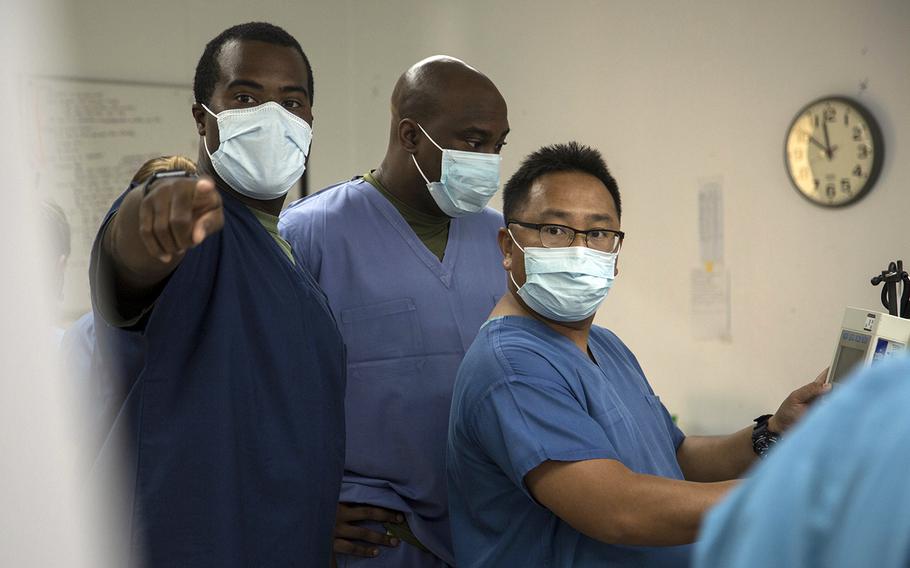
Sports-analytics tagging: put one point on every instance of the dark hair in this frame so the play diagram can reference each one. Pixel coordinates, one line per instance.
(207, 68)
(571, 157)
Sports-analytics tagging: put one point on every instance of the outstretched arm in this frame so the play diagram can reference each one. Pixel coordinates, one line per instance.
(147, 238)
(718, 458)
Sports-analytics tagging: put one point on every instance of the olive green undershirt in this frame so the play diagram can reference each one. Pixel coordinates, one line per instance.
(270, 223)
(433, 231)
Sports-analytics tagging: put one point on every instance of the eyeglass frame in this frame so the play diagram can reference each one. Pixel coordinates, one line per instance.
(575, 232)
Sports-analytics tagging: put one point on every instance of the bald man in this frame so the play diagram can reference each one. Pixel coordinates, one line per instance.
(407, 256)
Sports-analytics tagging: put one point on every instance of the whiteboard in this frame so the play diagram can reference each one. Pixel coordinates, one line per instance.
(88, 139)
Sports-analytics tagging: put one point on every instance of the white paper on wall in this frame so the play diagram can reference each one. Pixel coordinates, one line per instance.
(710, 304)
(711, 222)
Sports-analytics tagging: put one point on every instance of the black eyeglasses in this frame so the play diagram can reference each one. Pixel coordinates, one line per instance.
(557, 236)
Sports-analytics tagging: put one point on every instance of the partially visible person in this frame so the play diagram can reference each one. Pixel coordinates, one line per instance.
(407, 256)
(834, 494)
(233, 433)
(101, 381)
(559, 452)
(57, 229)
(163, 164)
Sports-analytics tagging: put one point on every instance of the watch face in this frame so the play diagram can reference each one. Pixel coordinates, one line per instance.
(834, 151)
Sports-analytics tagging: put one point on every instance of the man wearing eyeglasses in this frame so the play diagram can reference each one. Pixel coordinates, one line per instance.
(559, 453)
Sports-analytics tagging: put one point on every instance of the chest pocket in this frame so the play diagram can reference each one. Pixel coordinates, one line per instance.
(388, 330)
(657, 407)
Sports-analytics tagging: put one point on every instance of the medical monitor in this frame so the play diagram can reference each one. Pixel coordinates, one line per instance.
(865, 338)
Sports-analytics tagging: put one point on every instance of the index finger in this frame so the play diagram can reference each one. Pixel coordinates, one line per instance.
(209, 223)
(208, 214)
(205, 196)
(181, 217)
(367, 513)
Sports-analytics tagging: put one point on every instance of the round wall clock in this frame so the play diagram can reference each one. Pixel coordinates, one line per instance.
(834, 151)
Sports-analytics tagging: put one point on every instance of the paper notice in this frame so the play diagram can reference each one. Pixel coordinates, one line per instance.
(711, 304)
(711, 223)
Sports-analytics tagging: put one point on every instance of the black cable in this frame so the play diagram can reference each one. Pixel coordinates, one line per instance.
(890, 278)
(905, 296)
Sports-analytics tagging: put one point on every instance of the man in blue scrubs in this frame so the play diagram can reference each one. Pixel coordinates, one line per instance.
(407, 256)
(834, 494)
(234, 430)
(559, 453)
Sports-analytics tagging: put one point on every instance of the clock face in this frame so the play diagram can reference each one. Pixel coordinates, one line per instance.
(834, 151)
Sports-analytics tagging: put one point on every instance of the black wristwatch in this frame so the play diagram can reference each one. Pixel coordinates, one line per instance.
(762, 438)
(162, 175)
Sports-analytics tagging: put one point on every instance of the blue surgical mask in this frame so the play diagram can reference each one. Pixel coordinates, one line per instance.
(565, 284)
(467, 180)
(263, 149)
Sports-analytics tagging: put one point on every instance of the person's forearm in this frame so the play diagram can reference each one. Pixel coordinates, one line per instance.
(150, 234)
(663, 512)
(608, 502)
(716, 458)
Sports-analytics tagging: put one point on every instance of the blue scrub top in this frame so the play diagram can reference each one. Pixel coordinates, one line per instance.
(102, 373)
(79, 360)
(233, 433)
(524, 395)
(833, 493)
(407, 319)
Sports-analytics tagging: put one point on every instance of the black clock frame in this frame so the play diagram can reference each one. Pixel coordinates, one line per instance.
(878, 159)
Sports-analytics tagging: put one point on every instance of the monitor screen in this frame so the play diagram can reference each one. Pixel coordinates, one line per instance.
(847, 358)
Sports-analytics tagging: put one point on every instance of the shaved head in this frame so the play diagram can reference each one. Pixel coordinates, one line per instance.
(422, 91)
(439, 103)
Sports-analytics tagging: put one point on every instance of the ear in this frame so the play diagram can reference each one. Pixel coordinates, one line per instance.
(199, 115)
(408, 135)
(505, 245)
(616, 268)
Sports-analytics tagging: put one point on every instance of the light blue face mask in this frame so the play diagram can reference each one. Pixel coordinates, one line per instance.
(467, 181)
(565, 284)
(263, 149)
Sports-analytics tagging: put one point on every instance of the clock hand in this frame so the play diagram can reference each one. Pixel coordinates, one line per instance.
(827, 140)
(816, 142)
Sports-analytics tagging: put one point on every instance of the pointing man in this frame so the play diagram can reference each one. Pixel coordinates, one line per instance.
(234, 429)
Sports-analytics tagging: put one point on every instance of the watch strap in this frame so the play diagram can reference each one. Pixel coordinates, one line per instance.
(762, 438)
(162, 175)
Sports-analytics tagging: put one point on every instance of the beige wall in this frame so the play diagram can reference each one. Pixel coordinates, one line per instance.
(670, 92)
